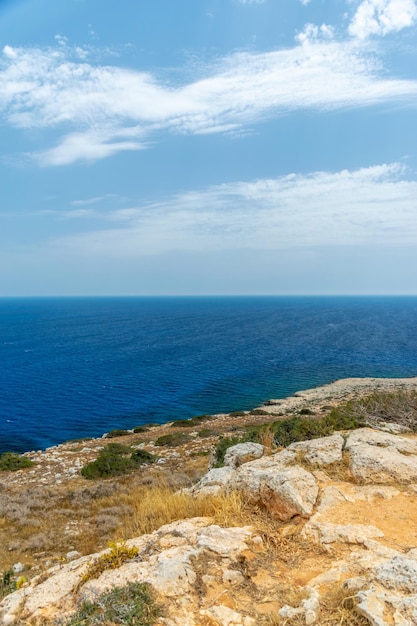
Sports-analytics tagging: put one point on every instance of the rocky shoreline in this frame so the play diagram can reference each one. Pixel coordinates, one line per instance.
(63, 462)
(338, 516)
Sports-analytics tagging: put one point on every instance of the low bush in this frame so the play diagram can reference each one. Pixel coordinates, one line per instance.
(222, 445)
(173, 440)
(302, 428)
(7, 583)
(206, 432)
(237, 414)
(258, 412)
(306, 412)
(142, 456)
(114, 558)
(117, 432)
(381, 406)
(133, 604)
(286, 431)
(11, 462)
(192, 422)
(140, 429)
(114, 460)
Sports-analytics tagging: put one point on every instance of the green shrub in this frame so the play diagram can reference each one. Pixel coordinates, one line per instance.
(303, 428)
(381, 406)
(7, 583)
(133, 605)
(287, 431)
(114, 460)
(142, 456)
(192, 422)
(183, 423)
(237, 414)
(118, 553)
(222, 445)
(306, 412)
(140, 429)
(117, 432)
(206, 432)
(172, 440)
(11, 462)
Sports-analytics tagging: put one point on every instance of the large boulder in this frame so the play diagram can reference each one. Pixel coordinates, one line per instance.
(214, 482)
(322, 451)
(243, 453)
(379, 457)
(283, 490)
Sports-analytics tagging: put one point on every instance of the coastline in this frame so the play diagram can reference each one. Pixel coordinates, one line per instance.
(50, 509)
(62, 463)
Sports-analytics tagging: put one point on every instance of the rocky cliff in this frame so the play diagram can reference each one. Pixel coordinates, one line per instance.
(330, 538)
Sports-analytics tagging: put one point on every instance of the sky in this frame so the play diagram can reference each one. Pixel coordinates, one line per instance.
(207, 147)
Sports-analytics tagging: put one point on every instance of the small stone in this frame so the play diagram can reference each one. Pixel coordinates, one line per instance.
(18, 568)
(233, 577)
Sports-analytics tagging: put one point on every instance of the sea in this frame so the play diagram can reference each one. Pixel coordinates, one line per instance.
(79, 367)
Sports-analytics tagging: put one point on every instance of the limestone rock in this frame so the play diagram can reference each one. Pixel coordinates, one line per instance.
(223, 616)
(398, 573)
(381, 439)
(309, 608)
(224, 541)
(166, 560)
(323, 451)
(243, 453)
(371, 607)
(379, 457)
(284, 491)
(233, 577)
(324, 532)
(215, 481)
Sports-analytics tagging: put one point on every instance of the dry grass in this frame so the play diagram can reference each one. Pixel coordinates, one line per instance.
(266, 437)
(339, 471)
(41, 524)
(155, 506)
(337, 608)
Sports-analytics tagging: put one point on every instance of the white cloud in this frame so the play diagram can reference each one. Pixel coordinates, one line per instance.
(305, 2)
(96, 199)
(251, 1)
(89, 146)
(370, 206)
(109, 109)
(380, 17)
(9, 52)
(312, 33)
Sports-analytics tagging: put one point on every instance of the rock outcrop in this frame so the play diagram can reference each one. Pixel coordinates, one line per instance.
(350, 502)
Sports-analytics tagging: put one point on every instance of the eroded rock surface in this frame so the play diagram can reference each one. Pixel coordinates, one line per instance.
(353, 532)
(379, 457)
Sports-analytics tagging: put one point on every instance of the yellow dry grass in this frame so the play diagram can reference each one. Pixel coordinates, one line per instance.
(151, 508)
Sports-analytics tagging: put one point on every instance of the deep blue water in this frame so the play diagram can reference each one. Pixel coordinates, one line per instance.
(75, 367)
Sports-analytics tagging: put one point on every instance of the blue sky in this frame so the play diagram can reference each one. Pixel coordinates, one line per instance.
(208, 147)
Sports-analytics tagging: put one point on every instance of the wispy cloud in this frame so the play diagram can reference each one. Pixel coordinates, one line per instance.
(380, 17)
(370, 206)
(109, 109)
(95, 199)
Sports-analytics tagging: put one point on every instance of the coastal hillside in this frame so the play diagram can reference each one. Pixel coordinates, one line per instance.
(299, 512)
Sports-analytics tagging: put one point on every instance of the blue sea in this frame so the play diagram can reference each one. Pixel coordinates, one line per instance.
(78, 367)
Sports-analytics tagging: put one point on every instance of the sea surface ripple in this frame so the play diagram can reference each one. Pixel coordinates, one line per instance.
(76, 367)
